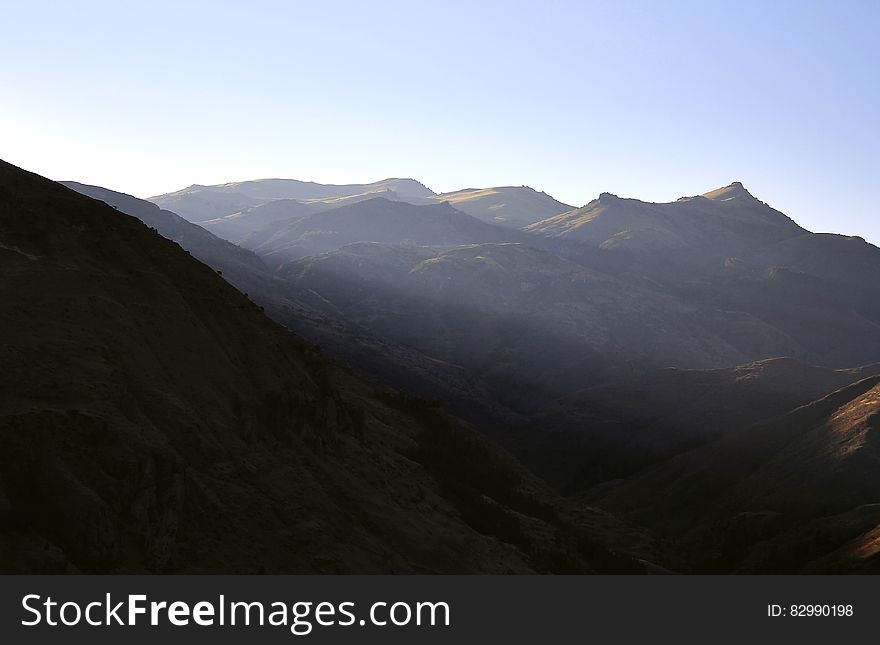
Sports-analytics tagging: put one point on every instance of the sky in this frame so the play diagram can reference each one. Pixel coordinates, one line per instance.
(653, 100)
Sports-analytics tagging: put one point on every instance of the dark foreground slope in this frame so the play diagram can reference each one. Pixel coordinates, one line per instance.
(243, 268)
(153, 419)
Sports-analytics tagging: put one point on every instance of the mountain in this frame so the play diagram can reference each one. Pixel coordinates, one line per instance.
(693, 232)
(373, 220)
(513, 206)
(199, 203)
(778, 496)
(152, 419)
(727, 252)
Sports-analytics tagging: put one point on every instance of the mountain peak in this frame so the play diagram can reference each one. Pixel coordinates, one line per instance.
(407, 185)
(606, 198)
(731, 191)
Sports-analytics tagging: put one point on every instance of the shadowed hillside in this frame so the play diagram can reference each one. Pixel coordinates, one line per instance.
(621, 427)
(775, 496)
(238, 264)
(153, 419)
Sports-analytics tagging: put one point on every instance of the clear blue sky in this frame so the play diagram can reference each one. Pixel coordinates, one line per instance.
(645, 99)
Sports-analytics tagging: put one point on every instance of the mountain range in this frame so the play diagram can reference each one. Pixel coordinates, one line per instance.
(155, 420)
(397, 380)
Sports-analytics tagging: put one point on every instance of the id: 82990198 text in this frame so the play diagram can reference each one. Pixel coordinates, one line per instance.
(806, 610)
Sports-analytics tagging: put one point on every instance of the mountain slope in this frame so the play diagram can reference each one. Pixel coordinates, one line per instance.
(373, 220)
(710, 402)
(512, 206)
(243, 269)
(639, 418)
(848, 263)
(240, 224)
(475, 291)
(205, 246)
(770, 484)
(197, 203)
(152, 419)
(529, 324)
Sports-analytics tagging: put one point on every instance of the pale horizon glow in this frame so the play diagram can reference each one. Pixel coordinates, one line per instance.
(641, 99)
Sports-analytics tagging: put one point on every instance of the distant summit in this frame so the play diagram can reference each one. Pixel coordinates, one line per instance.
(732, 191)
(697, 231)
